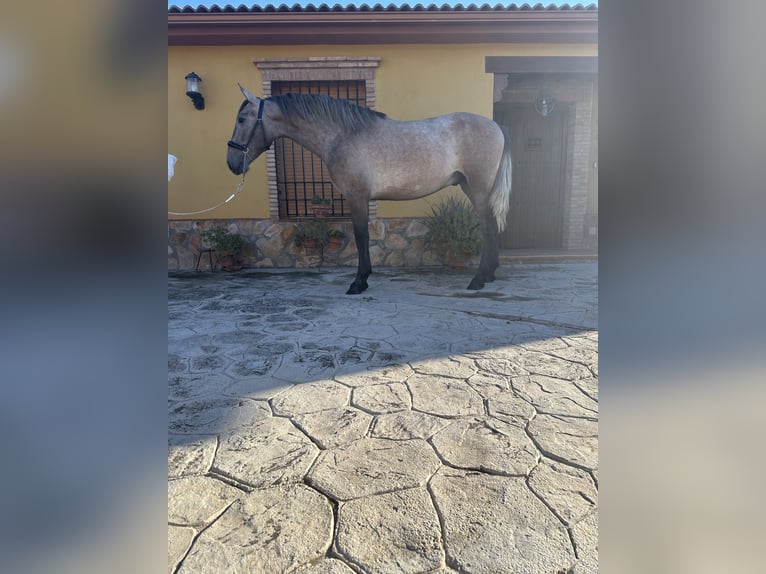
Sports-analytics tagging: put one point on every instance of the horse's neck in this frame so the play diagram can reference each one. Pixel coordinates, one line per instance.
(318, 137)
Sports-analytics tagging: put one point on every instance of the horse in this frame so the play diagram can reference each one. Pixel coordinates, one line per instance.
(371, 156)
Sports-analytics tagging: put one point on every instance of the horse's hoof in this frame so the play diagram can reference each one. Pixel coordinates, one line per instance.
(356, 288)
(475, 285)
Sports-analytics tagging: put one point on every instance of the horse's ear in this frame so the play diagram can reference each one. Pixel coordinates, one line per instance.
(250, 97)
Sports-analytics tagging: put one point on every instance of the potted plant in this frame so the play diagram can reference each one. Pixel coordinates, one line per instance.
(335, 238)
(311, 234)
(454, 231)
(227, 246)
(320, 206)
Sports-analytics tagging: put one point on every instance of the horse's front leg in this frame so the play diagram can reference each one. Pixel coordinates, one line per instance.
(359, 219)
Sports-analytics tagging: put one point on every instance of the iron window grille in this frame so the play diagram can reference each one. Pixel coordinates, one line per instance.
(301, 174)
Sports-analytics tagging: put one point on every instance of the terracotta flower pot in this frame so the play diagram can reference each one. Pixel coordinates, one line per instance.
(458, 260)
(334, 241)
(230, 263)
(320, 210)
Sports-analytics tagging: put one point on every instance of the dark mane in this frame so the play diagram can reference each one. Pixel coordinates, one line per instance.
(318, 107)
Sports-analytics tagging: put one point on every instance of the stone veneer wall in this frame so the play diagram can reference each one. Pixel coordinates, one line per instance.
(395, 242)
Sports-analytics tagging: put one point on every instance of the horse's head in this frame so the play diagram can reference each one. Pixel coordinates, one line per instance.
(249, 139)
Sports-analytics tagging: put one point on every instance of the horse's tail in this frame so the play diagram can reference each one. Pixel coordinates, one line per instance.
(499, 197)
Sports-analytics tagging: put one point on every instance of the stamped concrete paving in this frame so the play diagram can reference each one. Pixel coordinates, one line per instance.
(416, 428)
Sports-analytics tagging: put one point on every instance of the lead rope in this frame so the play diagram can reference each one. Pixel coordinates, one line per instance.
(224, 202)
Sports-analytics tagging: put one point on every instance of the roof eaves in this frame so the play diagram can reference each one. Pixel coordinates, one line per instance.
(324, 24)
(365, 7)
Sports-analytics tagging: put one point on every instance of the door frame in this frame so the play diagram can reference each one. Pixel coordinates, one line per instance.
(507, 108)
(573, 81)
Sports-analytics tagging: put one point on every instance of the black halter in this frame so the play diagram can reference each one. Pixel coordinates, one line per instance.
(258, 121)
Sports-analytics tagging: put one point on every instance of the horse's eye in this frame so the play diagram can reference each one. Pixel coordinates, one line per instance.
(240, 120)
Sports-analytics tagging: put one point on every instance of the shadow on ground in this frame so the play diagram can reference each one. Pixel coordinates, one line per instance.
(300, 417)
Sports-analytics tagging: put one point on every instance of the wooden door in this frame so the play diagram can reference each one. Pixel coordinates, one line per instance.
(538, 148)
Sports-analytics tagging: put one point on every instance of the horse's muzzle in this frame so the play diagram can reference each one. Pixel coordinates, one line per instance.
(235, 167)
(237, 162)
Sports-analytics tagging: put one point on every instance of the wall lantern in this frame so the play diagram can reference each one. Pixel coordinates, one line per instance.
(545, 102)
(192, 90)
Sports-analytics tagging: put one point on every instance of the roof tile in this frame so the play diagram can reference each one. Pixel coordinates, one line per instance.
(364, 7)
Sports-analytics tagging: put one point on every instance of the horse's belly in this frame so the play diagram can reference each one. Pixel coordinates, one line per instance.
(414, 192)
(411, 188)
(420, 162)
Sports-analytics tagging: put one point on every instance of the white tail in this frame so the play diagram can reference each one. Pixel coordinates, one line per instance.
(500, 195)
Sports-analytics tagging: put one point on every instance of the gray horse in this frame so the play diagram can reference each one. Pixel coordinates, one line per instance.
(370, 156)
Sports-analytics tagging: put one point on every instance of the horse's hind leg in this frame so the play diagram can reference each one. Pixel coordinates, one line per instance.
(490, 259)
(359, 220)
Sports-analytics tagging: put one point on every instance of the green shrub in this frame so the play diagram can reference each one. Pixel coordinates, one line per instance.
(311, 229)
(453, 229)
(223, 240)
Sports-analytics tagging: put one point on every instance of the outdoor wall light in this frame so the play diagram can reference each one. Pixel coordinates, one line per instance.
(192, 90)
(545, 102)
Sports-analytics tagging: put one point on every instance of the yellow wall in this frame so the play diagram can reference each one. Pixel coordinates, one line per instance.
(413, 81)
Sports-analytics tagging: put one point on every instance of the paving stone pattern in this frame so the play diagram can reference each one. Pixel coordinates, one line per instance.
(418, 428)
